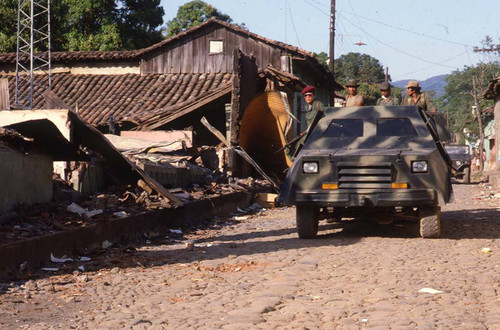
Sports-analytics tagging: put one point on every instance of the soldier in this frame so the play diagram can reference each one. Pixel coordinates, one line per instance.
(353, 99)
(312, 105)
(415, 97)
(387, 98)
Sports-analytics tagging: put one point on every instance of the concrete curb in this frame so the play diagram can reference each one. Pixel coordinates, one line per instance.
(36, 251)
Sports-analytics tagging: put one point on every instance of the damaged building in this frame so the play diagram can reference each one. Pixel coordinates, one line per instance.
(159, 94)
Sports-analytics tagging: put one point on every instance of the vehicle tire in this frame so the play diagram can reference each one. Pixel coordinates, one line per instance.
(466, 178)
(430, 222)
(307, 221)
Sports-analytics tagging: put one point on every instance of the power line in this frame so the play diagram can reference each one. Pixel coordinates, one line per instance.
(406, 30)
(430, 66)
(352, 8)
(293, 24)
(314, 6)
(399, 50)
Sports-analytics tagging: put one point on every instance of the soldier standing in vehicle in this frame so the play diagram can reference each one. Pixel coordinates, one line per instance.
(415, 97)
(313, 106)
(353, 99)
(387, 98)
(311, 109)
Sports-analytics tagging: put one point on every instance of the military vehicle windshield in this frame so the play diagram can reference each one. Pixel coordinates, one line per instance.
(344, 128)
(455, 149)
(395, 127)
(370, 127)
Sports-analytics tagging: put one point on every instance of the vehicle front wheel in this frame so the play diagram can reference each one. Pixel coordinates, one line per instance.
(430, 222)
(466, 178)
(307, 221)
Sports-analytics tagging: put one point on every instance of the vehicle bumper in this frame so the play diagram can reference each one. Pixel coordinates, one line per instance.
(337, 198)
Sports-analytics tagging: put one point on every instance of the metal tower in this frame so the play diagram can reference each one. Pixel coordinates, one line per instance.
(33, 51)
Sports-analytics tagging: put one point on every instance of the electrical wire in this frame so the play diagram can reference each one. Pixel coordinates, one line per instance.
(293, 24)
(430, 66)
(406, 30)
(359, 22)
(399, 50)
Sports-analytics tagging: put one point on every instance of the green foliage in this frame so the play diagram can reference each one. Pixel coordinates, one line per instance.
(458, 100)
(83, 25)
(8, 26)
(140, 22)
(365, 69)
(193, 14)
(322, 59)
(361, 67)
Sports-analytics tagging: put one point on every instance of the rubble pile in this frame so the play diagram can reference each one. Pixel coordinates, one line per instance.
(63, 213)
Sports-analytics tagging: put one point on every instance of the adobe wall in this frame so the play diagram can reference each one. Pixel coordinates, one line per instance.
(24, 179)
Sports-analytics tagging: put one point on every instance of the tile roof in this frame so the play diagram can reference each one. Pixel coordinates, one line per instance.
(130, 55)
(130, 96)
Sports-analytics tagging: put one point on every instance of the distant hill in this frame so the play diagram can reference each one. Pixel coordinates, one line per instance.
(436, 83)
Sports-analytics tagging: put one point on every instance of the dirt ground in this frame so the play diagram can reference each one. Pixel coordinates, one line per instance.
(251, 271)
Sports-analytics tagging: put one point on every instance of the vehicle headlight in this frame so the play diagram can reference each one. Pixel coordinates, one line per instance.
(458, 162)
(310, 167)
(419, 166)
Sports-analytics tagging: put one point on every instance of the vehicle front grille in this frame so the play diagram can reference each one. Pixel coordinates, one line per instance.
(355, 176)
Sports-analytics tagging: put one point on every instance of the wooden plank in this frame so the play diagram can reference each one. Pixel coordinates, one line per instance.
(239, 151)
(4, 94)
(52, 101)
(191, 107)
(187, 57)
(88, 135)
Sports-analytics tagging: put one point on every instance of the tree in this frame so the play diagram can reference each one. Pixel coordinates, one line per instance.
(365, 69)
(91, 24)
(192, 14)
(322, 59)
(140, 23)
(362, 67)
(458, 100)
(8, 25)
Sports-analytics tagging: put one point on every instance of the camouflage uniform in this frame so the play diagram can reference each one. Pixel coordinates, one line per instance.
(423, 102)
(391, 100)
(311, 109)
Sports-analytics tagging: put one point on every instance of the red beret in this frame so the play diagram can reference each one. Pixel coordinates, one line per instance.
(307, 89)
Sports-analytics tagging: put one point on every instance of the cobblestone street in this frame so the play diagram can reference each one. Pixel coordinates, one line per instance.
(253, 272)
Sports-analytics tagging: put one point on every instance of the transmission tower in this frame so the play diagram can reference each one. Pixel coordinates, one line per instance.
(33, 51)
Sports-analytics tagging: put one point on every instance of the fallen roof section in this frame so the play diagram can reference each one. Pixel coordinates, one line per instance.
(84, 134)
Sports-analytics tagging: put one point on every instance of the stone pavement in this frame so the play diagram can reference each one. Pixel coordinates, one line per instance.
(254, 273)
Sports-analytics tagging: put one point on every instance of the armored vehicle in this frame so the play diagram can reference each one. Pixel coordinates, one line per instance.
(460, 158)
(370, 162)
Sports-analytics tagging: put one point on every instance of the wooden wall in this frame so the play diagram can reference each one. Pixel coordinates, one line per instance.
(191, 54)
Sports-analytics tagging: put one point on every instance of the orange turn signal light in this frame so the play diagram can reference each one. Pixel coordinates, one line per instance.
(399, 185)
(329, 186)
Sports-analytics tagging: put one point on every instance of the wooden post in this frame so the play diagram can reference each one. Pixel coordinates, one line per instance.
(497, 131)
(331, 64)
(480, 123)
(4, 94)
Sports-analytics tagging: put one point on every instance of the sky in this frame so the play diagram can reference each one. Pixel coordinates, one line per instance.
(415, 40)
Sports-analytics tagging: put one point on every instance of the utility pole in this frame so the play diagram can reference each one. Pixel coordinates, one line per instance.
(331, 63)
(480, 122)
(33, 51)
